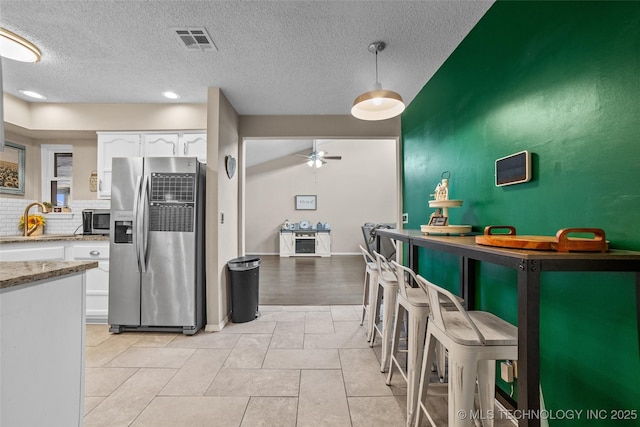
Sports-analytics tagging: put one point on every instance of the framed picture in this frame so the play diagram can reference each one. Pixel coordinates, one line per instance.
(12, 161)
(438, 221)
(306, 203)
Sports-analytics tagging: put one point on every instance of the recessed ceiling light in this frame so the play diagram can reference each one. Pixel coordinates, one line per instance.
(32, 94)
(12, 46)
(171, 95)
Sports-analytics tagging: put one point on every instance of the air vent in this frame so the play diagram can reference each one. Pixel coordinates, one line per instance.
(195, 39)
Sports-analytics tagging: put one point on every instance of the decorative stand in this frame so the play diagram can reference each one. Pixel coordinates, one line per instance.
(439, 220)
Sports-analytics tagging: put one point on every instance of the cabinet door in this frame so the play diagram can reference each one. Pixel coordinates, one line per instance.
(160, 145)
(110, 146)
(194, 145)
(286, 244)
(323, 244)
(97, 302)
(97, 279)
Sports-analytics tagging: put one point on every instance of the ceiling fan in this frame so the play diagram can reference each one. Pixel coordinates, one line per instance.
(316, 158)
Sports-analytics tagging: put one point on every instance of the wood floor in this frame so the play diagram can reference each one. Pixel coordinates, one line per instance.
(311, 280)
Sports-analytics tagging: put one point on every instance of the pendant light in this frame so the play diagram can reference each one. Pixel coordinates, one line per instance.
(12, 46)
(377, 104)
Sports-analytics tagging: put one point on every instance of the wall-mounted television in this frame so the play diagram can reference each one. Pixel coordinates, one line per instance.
(513, 169)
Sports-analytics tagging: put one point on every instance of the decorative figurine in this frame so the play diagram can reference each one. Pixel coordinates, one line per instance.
(442, 189)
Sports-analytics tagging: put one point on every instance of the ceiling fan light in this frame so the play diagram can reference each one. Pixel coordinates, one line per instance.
(318, 163)
(12, 46)
(377, 105)
(310, 163)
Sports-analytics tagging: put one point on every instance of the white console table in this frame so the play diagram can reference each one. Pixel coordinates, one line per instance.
(305, 243)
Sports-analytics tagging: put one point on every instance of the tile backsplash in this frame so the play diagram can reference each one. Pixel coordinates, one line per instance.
(65, 223)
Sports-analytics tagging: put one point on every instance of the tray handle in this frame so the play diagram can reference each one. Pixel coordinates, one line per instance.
(566, 244)
(488, 230)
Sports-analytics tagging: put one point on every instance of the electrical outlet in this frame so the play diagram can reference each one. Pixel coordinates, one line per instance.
(405, 218)
(506, 371)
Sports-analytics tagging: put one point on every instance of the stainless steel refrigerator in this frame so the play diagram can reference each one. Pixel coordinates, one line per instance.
(156, 272)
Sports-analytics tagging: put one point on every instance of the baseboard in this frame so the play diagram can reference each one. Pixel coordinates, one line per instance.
(278, 253)
(97, 317)
(210, 327)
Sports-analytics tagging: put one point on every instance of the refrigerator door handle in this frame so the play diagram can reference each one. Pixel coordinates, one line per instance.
(136, 225)
(144, 234)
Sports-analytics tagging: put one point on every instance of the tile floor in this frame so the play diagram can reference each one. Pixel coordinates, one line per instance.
(294, 366)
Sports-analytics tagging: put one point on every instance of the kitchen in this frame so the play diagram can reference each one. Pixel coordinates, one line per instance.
(571, 191)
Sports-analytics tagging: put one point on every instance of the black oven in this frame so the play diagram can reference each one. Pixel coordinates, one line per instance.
(96, 221)
(305, 243)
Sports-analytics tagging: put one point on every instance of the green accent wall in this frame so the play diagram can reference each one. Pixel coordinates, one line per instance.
(562, 80)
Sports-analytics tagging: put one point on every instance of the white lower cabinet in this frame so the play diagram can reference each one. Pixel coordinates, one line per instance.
(32, 252)
(97, 279)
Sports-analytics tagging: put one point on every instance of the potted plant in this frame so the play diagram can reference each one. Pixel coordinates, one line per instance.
(35, 224)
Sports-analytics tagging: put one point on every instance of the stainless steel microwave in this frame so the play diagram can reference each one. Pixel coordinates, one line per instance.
(96, 221)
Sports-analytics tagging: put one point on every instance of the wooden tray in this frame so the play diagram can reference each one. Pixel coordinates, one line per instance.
(561, 242)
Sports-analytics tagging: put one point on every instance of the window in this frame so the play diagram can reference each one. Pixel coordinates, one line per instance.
(57, 174)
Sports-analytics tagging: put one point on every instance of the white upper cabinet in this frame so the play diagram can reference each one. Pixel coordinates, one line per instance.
(112, 145)
(194, 145)
(145, 144)
(160, 145)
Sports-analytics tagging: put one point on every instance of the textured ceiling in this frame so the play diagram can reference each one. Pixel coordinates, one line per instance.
(273, 57)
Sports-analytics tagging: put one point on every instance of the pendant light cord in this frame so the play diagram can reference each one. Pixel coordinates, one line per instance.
(376, 66)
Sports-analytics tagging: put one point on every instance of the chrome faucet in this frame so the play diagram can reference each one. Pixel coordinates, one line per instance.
(26, 229)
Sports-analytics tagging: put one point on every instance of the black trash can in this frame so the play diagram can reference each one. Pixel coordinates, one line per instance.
(244, 274)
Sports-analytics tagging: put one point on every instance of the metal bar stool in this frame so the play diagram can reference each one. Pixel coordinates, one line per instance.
(388, 282)
(414, 304)
(474, 340)
(370, 282)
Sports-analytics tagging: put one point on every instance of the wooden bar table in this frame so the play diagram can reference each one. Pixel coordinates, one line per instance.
(529, 264)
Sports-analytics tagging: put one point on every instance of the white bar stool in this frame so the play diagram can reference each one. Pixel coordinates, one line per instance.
(388, 282)
(475, 340)
(413, 303)
(370, 282)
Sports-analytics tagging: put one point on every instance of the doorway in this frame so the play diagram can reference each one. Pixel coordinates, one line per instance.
(359, 187)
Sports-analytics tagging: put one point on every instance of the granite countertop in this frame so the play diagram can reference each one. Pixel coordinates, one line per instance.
(53, 238)
(21, 272)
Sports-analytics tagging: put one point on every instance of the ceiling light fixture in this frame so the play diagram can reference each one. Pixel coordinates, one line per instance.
(171, 95)
(315, 160)
(377, 104)
(12, 46)
(31, 94)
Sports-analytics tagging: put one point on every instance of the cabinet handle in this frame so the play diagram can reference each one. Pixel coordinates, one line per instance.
(174, 148)
(100, 185)
(94, 253)
(184, 151)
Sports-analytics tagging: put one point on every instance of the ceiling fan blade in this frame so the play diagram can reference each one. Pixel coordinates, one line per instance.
(303, 155)
(332, 157)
